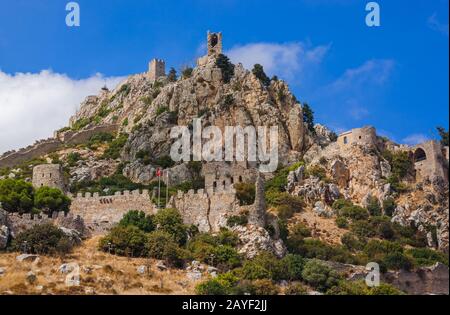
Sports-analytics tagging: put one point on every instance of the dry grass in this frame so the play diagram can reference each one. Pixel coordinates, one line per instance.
(100, 273)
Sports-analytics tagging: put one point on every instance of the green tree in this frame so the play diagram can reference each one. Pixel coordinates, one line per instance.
(226, 67)
(258, 71)
(51, 200)
(444, 135)
(170, 221)
(16, 195)
(308, 117)
(139, 220)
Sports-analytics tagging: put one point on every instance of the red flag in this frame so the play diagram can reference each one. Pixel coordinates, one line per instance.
(158, 172)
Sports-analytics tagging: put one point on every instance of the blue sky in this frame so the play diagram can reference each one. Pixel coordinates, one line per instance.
(394, 77)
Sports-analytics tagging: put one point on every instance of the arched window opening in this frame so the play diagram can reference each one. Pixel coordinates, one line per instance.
(420, 155)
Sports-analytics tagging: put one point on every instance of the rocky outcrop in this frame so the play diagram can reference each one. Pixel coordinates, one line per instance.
(254, 240)
(313, 189)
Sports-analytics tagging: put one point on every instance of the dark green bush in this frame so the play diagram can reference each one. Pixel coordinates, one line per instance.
(296, 289)
(170, 221)
(342, 222)
(373, 206)
(51, 200)
(320, 276)
(138, 219)
(263, 287)
(389, 206)
(354, 213)
(161, 245)
(125, 241)
(16, 195)
(73, 158)
(362, 229)
(226, 67)
(115, 147)
(352, 242)
(427, 256)
(313, 248)
(44, 239)
(258, 71)
(223, 284)
(237, 220)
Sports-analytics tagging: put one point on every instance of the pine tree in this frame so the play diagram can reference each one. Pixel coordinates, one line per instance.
(258, 71)
(172, 77)
(308, 117)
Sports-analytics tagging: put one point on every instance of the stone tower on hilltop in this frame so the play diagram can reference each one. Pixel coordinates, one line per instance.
(156, 69)
(214, 44)
(50, 175)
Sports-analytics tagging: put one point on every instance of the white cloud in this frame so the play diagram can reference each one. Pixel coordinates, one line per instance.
(415, 139)
(33, 105)
(436, 25)
(286, 60)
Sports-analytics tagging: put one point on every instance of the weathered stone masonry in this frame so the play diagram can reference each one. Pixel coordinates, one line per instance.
(101, 213)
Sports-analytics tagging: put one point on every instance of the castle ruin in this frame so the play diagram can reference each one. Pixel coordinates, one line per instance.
(215, 46)
(156, 69)
(49, 175)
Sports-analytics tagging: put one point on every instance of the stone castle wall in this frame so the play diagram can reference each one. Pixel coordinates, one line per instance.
(157, 69)
(101, 213)
(82, 136)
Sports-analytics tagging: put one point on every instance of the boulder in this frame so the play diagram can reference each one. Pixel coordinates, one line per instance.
(142, 270)
(27, 257)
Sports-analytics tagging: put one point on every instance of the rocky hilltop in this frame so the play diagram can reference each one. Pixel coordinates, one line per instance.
(339, 201)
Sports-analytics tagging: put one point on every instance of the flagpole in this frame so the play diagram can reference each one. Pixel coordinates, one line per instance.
(167, 187)
(159, 188)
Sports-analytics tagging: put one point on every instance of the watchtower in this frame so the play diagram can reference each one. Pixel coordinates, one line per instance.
(156, 69)
(214, 43)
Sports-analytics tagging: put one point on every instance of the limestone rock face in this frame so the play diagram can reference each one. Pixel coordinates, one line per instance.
(340, 173)
(313, 189)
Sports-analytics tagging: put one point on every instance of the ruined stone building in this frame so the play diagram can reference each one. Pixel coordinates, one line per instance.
(157, 69)
(50, 175)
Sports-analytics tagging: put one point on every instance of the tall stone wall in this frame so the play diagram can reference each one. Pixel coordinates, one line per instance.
(209, 209)
(40, 148)
(43, 147)
(432, 164)
(101, 213)
(50, 175)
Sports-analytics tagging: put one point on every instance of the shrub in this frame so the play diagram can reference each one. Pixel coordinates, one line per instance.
(125, 241)
(353, 243)
(427, 257)
(237, 220)
(73, 158)
(51, 200)
(389, 206)
(296, 289)
(319, 276)
(263, 287)
(353, 212)
(223, 284)
(292, 267)
(373, 206)
(277, 199)
(362, 229)
(16, 195)
(100, 137)
(139, 220)
(342, 222)
(161, 245)
(316, 171)
(165, 161)
(170, 221)
(397, 261)
(216, 250)
(388, 254)
(341, 203)
(161, 110)
(245, 193)
(187, 72)
(313, 248)
(226, 67)
(172, 76)
(114, 148)
(258, 71)
(44, 239)
(263, 266)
